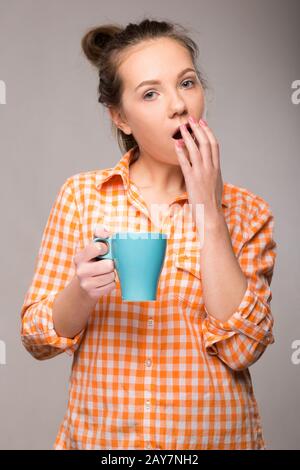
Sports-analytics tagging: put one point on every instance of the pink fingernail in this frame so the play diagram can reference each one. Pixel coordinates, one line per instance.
(204, 123)
(179, 144)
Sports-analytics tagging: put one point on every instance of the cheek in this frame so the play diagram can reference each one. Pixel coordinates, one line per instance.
(147, 134)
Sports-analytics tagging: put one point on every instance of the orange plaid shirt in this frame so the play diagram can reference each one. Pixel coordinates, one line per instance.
(162, 374)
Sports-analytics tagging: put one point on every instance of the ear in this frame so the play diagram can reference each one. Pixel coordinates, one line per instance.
(119, 121)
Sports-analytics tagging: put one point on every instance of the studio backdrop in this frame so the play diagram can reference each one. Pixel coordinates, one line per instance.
(52, 127)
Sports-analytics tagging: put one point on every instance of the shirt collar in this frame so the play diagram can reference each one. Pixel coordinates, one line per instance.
(122, 169)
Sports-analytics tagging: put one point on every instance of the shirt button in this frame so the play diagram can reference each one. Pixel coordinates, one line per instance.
(148, 363)
(148, 446)
(150, 322)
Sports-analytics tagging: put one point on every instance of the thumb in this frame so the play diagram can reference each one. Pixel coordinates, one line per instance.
(102, 231)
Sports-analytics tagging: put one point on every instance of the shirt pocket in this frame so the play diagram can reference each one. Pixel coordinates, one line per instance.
(188, 277)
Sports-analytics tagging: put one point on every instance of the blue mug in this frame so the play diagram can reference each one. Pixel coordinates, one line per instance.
(138, 259)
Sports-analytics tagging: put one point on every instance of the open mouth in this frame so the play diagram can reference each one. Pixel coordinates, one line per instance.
(177, 135)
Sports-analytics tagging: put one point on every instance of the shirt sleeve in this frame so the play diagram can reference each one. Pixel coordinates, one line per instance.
(242, 339)
(53, 270)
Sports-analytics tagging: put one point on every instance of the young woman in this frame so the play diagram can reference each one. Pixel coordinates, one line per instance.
(173, 373)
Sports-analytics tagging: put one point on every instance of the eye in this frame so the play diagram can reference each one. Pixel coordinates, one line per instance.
(149, 92)
(192, 81)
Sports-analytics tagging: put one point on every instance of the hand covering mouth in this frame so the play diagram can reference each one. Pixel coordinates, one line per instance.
(177, 134)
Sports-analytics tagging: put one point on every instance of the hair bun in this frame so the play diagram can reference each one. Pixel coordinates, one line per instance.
(96, 39)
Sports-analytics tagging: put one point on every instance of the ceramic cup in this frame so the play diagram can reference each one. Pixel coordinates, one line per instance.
(138, 259)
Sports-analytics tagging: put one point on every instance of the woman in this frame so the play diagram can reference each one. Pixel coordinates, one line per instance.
(174, 373)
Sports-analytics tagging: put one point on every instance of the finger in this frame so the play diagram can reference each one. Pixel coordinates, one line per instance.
(221, 189)
(203, 140)
(91, 251)
(103, 279)
(183, 160)
(101, 231)
(103, 290)
(101, 246)
(182, 146)
(214, 145)
(194, 152)
(99, 267)
(96, 273)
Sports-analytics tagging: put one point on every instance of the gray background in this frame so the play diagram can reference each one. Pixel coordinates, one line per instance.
(52, 127)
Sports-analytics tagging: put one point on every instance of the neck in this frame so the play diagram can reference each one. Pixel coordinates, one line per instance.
(146, 173)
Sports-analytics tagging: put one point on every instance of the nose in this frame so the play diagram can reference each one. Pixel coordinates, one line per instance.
(177, 104)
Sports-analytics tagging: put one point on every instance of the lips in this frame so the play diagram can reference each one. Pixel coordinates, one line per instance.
(177, 134)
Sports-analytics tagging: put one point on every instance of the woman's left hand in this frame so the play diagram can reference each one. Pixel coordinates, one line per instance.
(200, 164)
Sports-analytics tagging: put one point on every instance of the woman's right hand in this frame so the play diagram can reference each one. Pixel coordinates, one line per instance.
(96, 278)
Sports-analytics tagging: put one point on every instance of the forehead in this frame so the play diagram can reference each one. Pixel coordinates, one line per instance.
(153, 59)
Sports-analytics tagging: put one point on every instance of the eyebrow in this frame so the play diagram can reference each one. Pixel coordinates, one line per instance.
(155, 82)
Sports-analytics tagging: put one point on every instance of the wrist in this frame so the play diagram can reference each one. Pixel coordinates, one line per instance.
(214, 218)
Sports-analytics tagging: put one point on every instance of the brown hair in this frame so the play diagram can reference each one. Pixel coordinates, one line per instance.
(103, 46)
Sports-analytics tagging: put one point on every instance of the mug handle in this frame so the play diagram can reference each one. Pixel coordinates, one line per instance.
(107, 240)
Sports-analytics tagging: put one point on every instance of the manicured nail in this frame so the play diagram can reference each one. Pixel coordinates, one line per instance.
(191, 119)
(179, 144)
(204, 123)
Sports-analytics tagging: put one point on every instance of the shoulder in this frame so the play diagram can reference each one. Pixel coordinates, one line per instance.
(247, 213)
(243, 201)
(85, 181)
